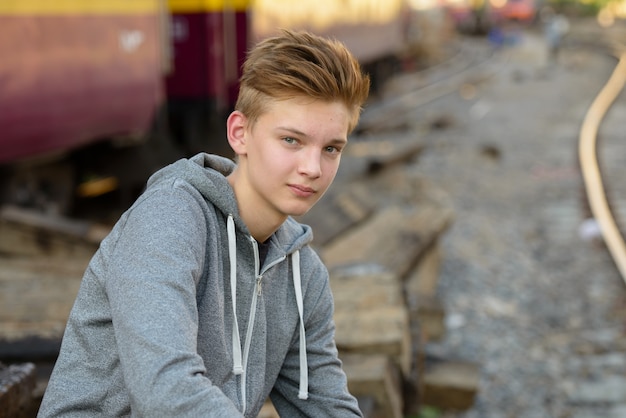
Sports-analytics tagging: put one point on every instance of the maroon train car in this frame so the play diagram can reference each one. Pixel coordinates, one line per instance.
(75, 71)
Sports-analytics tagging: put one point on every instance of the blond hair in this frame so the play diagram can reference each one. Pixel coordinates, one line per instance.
(301, 64)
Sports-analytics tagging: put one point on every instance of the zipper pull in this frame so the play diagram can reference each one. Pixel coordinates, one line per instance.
(258, 284)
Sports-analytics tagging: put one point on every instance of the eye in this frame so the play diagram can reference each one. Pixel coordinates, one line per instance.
(331, 149)
(290, 140)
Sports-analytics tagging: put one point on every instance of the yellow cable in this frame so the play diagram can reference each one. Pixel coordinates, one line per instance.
(589, 165)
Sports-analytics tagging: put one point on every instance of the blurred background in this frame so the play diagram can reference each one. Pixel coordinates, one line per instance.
(95, 95)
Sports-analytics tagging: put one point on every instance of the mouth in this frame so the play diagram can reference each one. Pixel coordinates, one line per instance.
(302, 191)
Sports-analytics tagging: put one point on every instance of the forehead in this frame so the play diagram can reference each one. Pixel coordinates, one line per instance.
(305, 108)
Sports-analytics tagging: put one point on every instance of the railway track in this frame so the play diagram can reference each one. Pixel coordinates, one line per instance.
(604, 205)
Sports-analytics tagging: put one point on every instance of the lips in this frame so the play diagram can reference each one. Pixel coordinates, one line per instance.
(302, 191)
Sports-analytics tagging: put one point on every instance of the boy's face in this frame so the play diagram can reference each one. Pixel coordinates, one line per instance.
(290, 156)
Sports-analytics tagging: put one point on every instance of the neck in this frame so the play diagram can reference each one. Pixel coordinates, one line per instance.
(260, 222)
(262, 234)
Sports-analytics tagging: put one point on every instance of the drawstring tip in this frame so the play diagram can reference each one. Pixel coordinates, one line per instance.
(303, 395)
(238, 370)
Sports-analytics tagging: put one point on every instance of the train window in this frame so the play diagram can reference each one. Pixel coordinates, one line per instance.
(180, 28)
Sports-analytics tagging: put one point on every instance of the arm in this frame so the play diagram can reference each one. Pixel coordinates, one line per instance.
(328, 391)
(151, 282)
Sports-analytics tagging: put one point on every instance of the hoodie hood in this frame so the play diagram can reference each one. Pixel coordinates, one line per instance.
(207, 174)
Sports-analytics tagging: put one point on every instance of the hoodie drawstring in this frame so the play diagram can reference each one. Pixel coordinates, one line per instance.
(232, 253)
(303, 393)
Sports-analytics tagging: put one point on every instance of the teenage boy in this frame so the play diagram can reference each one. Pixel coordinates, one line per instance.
(206, 297)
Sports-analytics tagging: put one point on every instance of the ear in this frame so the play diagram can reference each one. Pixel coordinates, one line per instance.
(236, 127)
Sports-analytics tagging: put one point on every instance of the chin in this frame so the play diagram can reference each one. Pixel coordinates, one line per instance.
(298, 211)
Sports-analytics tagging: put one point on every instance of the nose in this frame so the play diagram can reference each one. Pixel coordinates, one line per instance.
(310, 163)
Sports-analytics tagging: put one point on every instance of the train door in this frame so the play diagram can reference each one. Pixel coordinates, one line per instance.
(209, 42)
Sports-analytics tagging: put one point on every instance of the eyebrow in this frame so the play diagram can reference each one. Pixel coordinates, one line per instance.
(340, 141)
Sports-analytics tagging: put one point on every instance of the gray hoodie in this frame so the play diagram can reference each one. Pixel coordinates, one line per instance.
(175, 316)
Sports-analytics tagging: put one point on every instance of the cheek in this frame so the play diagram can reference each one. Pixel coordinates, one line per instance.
(330, 169)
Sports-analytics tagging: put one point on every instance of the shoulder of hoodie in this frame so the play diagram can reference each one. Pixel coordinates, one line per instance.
(202, 176)
(173, 196)
(162, 198)
(172, 199)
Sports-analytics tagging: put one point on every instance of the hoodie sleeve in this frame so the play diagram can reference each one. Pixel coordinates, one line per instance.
(151, 285)
(328, 387)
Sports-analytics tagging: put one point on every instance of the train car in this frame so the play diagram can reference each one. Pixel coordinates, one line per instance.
(376, 31)
(481, 16)
(74, 72)
(523, 11)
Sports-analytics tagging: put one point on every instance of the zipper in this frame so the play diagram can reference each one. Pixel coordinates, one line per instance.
(251, 318)
(257, 266)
